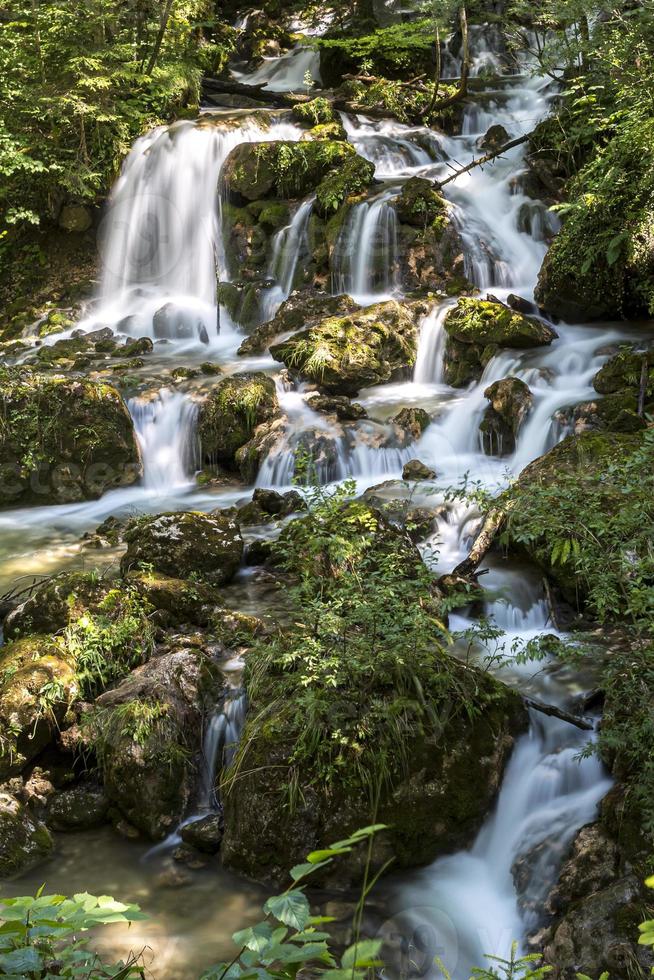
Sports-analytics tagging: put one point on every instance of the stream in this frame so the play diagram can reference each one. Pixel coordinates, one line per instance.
(162, 243)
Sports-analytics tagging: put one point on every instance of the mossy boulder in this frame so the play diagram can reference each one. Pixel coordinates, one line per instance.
(56, 603)
(577, 460)
(510, 401)
(232, 411)
(37, 684)
(62, 439)
(419, 204)
(412, 421)
(78, 808)
(24, 841)
(435, 809)
(176, 600)
(344, 354)
(352, 178)
(624, 371)
(417, 470)
(283, 169)
(315, 112)
(297, 312)
(476, 329)
(182, 544)
(146, 733)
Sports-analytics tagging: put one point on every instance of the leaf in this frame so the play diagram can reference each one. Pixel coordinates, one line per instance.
(300, 870)
(316, 858)
(25, 960)
(257, 938)
(292, 908)
(362, 954)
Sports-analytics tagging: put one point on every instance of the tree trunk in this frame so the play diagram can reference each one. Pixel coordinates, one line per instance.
(437, 73)
(462, 90)
(165, 17)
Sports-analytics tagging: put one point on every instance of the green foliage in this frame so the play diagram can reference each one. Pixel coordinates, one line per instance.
(361, 669)
(389, 51)
(147, 723)
(78, 85)
(646, 929)
(515, 968)
(41, 937)
(107, 644)
(289, 938)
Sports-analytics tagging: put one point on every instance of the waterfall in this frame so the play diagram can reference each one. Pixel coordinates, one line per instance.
(287, 73)
(165, 428)
(220, 741)
(289, 246)
(161, 238)
(365, 254)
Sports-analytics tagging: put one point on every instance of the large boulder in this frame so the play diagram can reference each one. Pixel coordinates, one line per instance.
(282, 169)
(78, 808)
(321, 711)
(510, 401)
(297, 312)
(343, 354)
(146, 733)
(56, 603)
(37, 683)
(185, 543)
(230, 414)
(63, 439)
(24, 841)
(476, 329)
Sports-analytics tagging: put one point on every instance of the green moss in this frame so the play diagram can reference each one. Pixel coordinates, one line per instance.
(231, 413)
(345, 354)
(353, 177)
(315, 112)
(255, 171)
(420, 205)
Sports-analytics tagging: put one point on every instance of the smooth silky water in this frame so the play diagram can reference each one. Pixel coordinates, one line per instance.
(162, 247)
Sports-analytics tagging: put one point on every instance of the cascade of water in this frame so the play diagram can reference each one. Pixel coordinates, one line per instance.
(428, 368)
(165, 428)
(162, 233)
(220, 741)
(288, 72)
(365, 254)
(289, 246)
(393, 148)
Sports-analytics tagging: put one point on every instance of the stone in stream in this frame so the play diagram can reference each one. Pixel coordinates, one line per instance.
(204, 834)
(416, 470)
(149, 728)
(342, 354)
(231, 413)
(338, 405)
(494, 138)
(477, 329)
(412, 421)
(78, 808)
(24, 840)
(298, 312)
(185, 543)
(64, 439)
(510, 402)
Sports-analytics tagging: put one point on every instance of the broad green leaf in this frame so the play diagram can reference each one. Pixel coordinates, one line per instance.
(25, 960)
(257, 937)
(362, 954)
(300, 870)
(291, 908)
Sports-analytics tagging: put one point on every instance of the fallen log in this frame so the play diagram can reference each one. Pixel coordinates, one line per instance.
(492, 525)
(555, 712)
(227, 86)
(485, 159)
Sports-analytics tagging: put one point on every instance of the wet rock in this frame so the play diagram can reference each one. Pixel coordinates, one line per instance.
(266, 438)
(229, 416)
(476, 329)
(53, 605)
(278, 504)
(338, 405)
(24, 841)
(344, 354)
(171, 322)
(493, 139)
(78, 808)
(75, 218)
(297, 312)
(412, 421)
(623, 372)
(419, 204)
(415, 470)
(616, 413)
(179, 600)
(87, 447)
(149, 728)
(28, 667)
(204, 834)
(510, 402)
(181, 544)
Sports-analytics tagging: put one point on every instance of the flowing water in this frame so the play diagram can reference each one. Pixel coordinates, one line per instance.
(163, 252)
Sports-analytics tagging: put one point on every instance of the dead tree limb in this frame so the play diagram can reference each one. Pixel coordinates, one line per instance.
(462, 90)
(554, 712)
(373, 79)
(492, 524)
(642, 390)
(485, 159)
(437, 73)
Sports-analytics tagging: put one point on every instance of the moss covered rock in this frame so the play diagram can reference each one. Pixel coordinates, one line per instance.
(62, 439)
(185, 543)
(315, 112)
(176, 600)
(419, 204)
(24, 841)
(476, 329)
(624, 372)
(298, 311)
(344, 354)
(231, 413)
(78, 808)
(255, 171)
(53, 605)
(510, 401)
(37, 683)
(146, 733)
(412, 421)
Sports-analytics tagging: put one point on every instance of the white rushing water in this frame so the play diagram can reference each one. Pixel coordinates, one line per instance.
(165, 428)
(366, 252)
(290, 246)
(288, 73)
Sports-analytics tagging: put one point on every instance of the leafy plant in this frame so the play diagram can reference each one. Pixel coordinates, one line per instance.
(42, 937)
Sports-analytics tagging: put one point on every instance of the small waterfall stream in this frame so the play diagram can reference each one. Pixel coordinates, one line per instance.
(165, 427)
(365, 254)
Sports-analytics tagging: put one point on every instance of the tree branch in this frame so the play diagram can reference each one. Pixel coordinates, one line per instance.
(485, 159)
